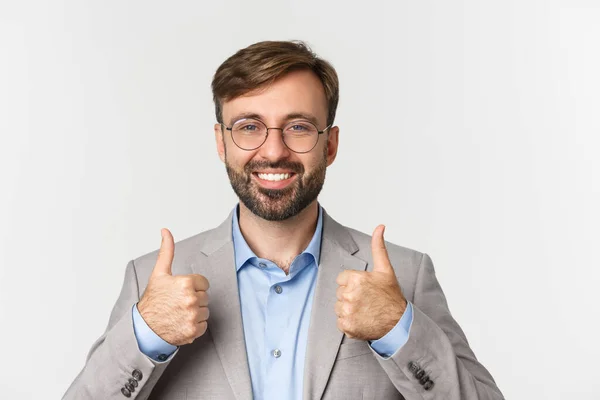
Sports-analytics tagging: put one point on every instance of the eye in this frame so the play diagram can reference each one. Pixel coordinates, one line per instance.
(249, 127)
(297, 127)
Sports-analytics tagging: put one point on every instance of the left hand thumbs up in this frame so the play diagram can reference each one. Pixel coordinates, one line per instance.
(370, 304)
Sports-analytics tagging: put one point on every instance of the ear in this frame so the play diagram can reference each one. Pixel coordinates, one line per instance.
(220, 139)
(332, 144)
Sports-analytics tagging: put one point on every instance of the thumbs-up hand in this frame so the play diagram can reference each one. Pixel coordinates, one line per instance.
(370, 304)
(174, 307)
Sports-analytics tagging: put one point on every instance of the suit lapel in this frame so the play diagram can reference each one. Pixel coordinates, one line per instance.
(324, 338)
(225, 321)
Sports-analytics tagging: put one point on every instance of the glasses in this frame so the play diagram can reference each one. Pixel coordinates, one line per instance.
(299, 136)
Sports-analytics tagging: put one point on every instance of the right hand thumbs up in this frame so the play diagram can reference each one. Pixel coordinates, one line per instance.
(174, 307)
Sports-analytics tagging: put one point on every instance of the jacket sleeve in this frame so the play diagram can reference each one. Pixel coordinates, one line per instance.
(436, 362)
(115, 364)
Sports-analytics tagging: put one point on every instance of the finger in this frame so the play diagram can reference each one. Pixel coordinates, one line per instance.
(381, 260)
(339, 293)
(338, 308)
(200, 282)
(340, 325)
(201, 328)
(203, 314)
(165, 254)
(202, 297)
(343, 278)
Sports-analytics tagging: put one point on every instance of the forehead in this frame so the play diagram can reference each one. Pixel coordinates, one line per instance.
(298, 92)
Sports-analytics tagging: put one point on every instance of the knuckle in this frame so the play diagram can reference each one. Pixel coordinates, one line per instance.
(189, 300)
(349, 297)
(347, 309)
(190, 331)
(186, 282)
(342, 324)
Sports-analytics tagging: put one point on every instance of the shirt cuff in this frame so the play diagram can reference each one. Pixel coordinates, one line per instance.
(397, 337)
(149, 342)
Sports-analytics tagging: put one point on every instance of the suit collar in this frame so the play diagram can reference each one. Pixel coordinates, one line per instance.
(332, 231)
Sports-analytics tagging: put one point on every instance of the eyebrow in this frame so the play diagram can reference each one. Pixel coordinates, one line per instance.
(288, 117)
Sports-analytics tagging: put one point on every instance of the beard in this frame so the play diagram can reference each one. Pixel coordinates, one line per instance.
(277, 204)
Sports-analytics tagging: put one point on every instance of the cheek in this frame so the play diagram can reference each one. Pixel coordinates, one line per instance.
(316, 162)
(237, 158)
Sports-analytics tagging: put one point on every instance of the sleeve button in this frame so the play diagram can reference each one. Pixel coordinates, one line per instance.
(125, 392)
(428, 385)
(419, 374)
(137, 374)
(413, 367)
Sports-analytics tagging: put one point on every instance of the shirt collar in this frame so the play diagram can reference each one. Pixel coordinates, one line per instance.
(243, 252)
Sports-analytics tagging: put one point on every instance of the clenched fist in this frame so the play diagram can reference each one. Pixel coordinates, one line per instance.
(174, 307)
(370, 304)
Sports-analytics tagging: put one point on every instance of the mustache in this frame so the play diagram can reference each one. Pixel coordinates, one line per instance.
(295, 167)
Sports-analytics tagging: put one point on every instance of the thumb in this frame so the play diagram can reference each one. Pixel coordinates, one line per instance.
(381, 260)
(165, 254)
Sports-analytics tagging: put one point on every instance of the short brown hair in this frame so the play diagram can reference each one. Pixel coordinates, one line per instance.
(263, 63)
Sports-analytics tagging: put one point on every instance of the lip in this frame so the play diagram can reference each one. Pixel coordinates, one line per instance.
(274, 184)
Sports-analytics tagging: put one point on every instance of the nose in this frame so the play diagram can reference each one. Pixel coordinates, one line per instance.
(273, 148)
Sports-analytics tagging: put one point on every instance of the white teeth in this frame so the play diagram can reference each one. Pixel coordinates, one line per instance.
(273, 177)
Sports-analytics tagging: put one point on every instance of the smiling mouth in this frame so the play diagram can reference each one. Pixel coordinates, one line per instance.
(274, 177)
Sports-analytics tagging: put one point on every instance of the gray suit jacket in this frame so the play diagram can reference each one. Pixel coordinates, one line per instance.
(215, 366)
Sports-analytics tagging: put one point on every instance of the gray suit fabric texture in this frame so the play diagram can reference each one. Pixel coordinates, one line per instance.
(215, 365)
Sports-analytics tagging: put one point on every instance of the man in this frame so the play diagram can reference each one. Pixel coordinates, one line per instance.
(301, 307)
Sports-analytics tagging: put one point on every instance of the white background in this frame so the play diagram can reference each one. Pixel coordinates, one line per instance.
(474, 125)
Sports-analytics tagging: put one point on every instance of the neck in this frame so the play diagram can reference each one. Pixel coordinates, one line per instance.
(279, 241)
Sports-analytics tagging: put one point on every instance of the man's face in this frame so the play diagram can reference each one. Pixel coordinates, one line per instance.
(274, 182)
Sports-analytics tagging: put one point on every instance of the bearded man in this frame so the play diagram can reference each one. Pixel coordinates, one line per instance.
(301, 307)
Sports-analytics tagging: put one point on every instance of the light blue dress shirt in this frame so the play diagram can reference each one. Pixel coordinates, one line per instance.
(275, 311)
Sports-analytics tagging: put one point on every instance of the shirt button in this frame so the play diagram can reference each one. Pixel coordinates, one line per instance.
(262, 265)
(276, 353)
(162, 357)
(278, 289)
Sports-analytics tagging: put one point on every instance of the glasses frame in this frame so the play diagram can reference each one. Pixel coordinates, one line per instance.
(319, 132)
